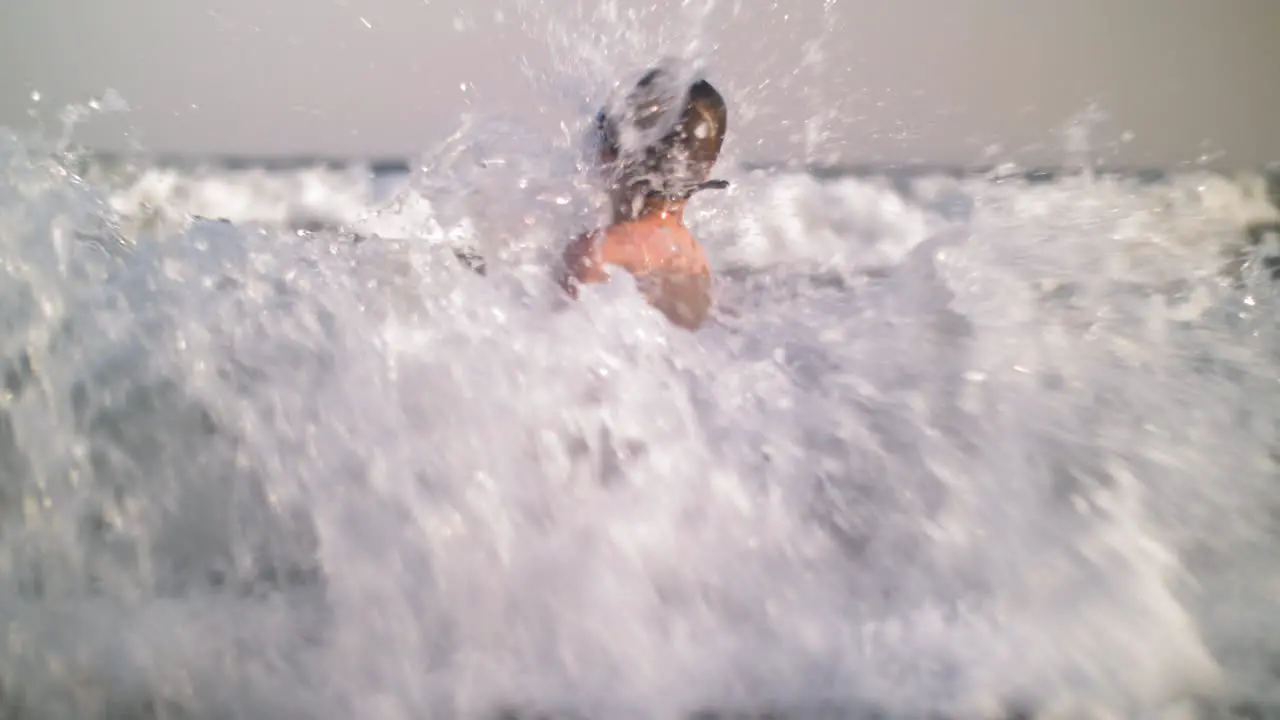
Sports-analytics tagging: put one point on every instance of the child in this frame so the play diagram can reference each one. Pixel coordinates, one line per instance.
(649, 186)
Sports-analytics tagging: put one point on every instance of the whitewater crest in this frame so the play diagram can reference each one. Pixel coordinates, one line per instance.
(954, 445)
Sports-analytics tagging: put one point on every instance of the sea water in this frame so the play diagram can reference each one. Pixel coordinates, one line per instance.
(953, 445)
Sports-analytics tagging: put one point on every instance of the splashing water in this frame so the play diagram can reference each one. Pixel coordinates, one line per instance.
(950, 446)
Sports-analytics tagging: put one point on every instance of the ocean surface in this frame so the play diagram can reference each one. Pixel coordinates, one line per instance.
(956, 444)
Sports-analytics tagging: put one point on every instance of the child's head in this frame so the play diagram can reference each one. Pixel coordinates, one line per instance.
(664, 140)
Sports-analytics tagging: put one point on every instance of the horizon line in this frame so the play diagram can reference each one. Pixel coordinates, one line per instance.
(387, 164)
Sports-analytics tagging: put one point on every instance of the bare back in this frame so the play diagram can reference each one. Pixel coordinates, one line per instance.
(669, 266)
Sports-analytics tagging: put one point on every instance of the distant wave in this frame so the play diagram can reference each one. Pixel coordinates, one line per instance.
(400, 165)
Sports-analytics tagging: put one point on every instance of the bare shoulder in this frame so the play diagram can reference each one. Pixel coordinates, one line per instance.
(696, 258)
(675, 250)
(669, 265)
(584, 260)
(615, 245)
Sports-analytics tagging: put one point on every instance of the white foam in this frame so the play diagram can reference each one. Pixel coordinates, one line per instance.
(168, 197)
(962, 448)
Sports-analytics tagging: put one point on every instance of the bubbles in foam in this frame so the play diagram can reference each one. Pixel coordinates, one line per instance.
(950, 446)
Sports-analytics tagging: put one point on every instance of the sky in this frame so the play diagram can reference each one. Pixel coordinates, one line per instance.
(1166, 82)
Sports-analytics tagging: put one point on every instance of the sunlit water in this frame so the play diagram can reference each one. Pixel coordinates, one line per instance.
(950, 447)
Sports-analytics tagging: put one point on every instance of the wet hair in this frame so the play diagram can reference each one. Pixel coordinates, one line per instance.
(677, 163)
